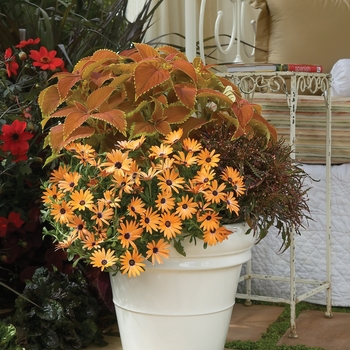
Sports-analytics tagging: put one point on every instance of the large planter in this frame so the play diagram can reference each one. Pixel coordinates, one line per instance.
(185, 303)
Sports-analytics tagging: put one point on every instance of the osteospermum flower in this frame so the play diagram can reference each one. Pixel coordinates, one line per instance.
(186, 160)
(46, 59)
(15, 138)
(57, 174)
(214, 192)
(67, 242)
(102, 214)
(81, 200)
(136, 206)
(209, 220)
(161, 151)
(170, 180)
(232, 176)
(208, 158)
(170, 225)
(149, 220)
(69, 182)
(117, 162)
(52, 195)
(123, 183)
(110, 199)
(173, 136)
(165, 201)
(132, 263)
(91, 242)
(215, 235)
(231, 203)
(103, 259)
(186, 208)
(78, 226)
(157, 251)
(204, 176)
(128, 233)
(191, 145)
(85, 153)
(62, 212)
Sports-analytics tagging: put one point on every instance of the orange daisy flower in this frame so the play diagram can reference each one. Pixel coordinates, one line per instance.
(186, 208)
(157, 251)
(161, 151)
(132, 263)
(213, 236)
(208, 159)
(78, 225)
(232, 203)
(209, 221)
(118, 162)
(186, 160)
(128, 233)
(164, 164)
(149, 220)
(170, 180)
(102, 214)
(91, 242)
(62, 212)
(165, 201)
(100, 232)
(57, 175)
(67, 242)
(110, 199)
(81, 200)
(52, 194)
(69, 182)
(123, 182)
(151, 173)
(214, 193)
(136, 206)
(232, 176)
(191, 145)
(194, 187)
(173, 136)
(135, 173)
(170, 225)
(102, 259)
(204, 176)
(85, 153)
(131, 144)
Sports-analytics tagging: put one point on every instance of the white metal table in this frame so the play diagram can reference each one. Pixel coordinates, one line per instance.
(290, 84)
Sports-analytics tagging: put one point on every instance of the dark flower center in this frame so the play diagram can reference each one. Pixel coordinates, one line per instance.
(208, 160)
(127, 235)
(104, 262)
(155, 250)
(62, 211)
(131, 262)
(208, 218)
(147, 220)
(163, 200)
(215, 193)
(99, 215)
(15, 137)
(184, 206)
(45, 59)
(71, 184)
(169, 182)
(167, 223)
(80, 227)
(82, 202)
(118, 165)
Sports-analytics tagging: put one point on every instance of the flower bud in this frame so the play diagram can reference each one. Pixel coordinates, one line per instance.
(22, 56)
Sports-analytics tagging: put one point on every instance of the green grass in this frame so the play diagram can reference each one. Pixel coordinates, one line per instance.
(277, 329)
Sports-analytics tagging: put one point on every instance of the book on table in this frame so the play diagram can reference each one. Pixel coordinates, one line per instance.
(273, 67)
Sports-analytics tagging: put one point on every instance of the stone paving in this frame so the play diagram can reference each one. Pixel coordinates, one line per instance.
(249, 323)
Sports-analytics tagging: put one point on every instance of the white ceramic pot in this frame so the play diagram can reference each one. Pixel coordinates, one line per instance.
(185, 303)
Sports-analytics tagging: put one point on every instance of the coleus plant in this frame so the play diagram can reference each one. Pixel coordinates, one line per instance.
(112, 96)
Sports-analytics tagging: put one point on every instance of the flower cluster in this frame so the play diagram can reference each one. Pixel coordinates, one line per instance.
(119, 208)
(25, 70)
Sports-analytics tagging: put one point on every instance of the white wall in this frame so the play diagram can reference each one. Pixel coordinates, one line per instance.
(170, 19)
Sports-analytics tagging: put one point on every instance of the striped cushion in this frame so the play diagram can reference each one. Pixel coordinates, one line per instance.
(310, 143)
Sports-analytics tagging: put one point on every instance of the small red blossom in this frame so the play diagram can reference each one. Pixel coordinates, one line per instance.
(3, 226)
(45, 59)
(10, 63)
(15, 218)
(24, 43)
(15, 139)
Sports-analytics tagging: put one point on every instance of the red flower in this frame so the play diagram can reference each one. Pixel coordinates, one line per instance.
(3, 226)
(28, 42)
(15, 218)
(10, 62)
(45, 59)
(15, 139)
